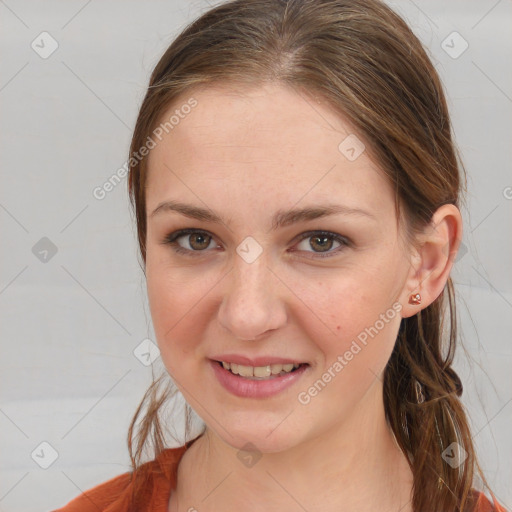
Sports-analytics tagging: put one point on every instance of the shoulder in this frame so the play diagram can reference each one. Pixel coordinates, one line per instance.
(483, 504)
(153, 482)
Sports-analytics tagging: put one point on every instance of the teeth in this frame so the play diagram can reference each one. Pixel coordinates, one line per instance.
(259, 371)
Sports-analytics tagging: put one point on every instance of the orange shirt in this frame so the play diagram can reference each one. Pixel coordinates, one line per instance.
(160, 479)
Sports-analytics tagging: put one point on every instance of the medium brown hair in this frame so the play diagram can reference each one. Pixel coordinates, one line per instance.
(363, 60)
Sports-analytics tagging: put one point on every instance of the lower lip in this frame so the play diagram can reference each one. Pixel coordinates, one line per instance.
(249, 388)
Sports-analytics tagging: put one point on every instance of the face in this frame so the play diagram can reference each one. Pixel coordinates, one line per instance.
(325, 290)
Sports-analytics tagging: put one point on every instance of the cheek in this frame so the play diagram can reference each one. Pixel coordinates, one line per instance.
(354, 316)
(177, 300)
(351, 361)
(170, 288)
(346, 300)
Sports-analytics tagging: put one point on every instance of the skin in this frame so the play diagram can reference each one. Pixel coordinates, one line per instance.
(245, 155)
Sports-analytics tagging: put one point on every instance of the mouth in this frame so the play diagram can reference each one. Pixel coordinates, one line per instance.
(267, 372)
(258, 382)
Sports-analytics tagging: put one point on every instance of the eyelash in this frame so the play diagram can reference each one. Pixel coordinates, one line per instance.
(171, 239)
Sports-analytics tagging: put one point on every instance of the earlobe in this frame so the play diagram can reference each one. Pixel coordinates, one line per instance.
(433, 260)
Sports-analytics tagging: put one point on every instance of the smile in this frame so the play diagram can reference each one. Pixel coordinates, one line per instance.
(254, 386)
(259, 372)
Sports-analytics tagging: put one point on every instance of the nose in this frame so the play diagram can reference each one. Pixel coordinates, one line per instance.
(252, 304)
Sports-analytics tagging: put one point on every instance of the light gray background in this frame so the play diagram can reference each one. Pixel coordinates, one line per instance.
(70, 325)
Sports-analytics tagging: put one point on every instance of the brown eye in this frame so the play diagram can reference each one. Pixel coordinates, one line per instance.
(197, 241)
(322, 242)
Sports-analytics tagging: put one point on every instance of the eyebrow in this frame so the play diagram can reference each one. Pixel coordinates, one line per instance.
(281, 218)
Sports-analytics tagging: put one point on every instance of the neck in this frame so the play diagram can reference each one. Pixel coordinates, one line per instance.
(354, 466)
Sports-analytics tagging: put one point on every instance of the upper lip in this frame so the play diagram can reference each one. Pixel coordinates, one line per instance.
(254, 361)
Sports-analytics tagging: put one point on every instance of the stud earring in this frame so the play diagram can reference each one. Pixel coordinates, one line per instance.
(415, 299)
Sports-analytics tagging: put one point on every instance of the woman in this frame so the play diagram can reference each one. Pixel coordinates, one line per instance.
(297, 192)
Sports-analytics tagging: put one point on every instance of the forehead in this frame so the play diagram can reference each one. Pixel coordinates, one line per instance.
(269, 143)
(270, 118)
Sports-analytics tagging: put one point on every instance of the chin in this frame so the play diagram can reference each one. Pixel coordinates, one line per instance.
(257, 438)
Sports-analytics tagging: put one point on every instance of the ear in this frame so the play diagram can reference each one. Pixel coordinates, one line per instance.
(432, 262)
